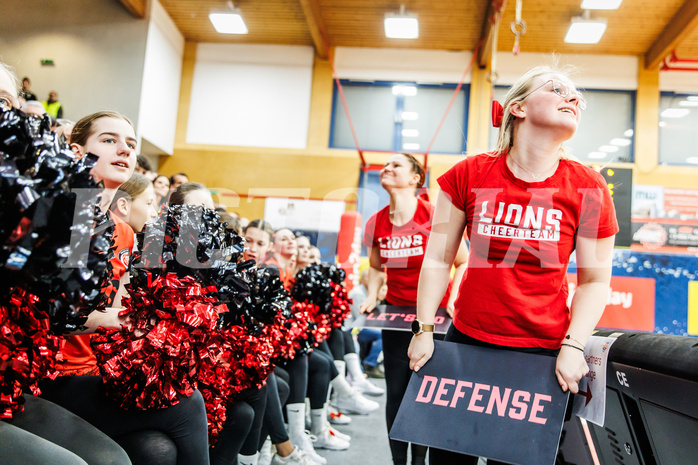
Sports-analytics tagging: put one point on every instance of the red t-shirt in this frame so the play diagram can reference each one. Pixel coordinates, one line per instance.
(77, 353)
(401, 251)
(514, 292)
(285, 274)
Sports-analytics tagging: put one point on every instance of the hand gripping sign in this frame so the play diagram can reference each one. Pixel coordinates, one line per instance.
(493, 403)
(590, 403)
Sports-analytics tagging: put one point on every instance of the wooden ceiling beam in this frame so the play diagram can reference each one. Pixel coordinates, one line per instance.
(313, 16)
(495, 8)
(136, 7)
(681, 25)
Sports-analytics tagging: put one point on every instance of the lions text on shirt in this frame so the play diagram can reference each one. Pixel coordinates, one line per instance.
(521, 236)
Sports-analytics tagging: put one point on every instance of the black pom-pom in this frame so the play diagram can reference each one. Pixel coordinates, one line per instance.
(53, 262)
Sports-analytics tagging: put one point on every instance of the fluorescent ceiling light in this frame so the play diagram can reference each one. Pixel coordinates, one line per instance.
(601, 4)
(675, 112)
(410, 146)
(629, 133)
(662, 124)
(585, 31)
(401, 25)
(688, 103)
(413, 115)
(692, 160)
(228, 22)
(608, 148)
(693, 98)
(620, 142)
(597, 155)
(410, 133)
(409, 91)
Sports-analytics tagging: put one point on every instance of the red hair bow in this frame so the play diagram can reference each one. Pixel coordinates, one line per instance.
(497, 113)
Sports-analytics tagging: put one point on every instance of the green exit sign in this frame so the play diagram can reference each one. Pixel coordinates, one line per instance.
(47, 62)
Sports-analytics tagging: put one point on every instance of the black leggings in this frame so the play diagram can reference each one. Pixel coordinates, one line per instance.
(297, 370)
(184, 423)
(242, 428)
(273, 425)
(444, 457)
(47, 433)
(149, 448)
(397, 377)
(320, 369)
(341, 343)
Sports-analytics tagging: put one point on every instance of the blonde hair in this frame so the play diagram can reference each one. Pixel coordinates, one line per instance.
(131, 189)
(517, 94)
(16, 84)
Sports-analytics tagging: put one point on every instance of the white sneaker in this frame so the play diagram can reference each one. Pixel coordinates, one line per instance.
(265, 453)
(297, 457)
(336, 417)
(355, 403)
(327, 440)
(364, 386)
(305, 443)
(338, 434)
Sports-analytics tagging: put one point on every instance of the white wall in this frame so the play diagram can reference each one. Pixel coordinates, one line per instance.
(437, 66)
(594, 71)
(679, 81)
(251, 95)
(162, 74)
(423, 66)
(97, 47)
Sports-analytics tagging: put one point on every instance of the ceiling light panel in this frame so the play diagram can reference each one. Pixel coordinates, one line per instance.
(228, 22)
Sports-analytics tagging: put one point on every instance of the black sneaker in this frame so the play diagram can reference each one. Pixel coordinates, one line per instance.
(373, 372)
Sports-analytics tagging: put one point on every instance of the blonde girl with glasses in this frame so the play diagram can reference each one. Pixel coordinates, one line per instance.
(525, 208)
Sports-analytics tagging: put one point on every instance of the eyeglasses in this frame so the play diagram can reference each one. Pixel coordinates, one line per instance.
(6, 102)
(564, 91)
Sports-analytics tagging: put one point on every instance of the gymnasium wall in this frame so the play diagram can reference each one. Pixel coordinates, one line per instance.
(279, 168)
(97, 48)
(162, 71)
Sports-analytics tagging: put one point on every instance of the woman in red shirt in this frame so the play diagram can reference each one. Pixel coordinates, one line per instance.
(525, 208)
(396, 238)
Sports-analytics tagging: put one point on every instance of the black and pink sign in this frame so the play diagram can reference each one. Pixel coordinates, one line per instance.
(492, 403)
(399, 317)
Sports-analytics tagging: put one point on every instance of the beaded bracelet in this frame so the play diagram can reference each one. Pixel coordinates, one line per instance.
(570, 345)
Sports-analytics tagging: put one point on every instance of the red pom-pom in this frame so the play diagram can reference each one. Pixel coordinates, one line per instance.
(28, 352)
(171, 338)
(245, 363)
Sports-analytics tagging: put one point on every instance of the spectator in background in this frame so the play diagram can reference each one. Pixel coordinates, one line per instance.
(282, 257)
(26, 92)
(303, 257)
(34, 107)
(52, 106)
(144, 167)
(177, 180)
(192, 193)
(161, 184)
(315, 255)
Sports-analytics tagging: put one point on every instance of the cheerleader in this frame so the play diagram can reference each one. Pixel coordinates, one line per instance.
(258, 234)
(515, 294)
(396, 238)
(111, 137)
(44, 432)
